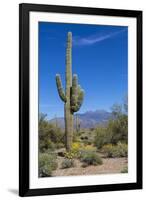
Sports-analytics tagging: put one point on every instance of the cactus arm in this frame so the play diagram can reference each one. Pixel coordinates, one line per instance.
(74, 90)
(75, 85)
(60, 88)
(80, 98)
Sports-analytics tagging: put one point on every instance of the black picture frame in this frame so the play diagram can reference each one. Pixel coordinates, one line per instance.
(24, 9)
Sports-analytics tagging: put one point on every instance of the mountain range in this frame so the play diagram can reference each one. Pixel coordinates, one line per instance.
(89, 119)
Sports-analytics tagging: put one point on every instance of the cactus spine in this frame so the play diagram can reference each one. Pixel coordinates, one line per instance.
(73, 95)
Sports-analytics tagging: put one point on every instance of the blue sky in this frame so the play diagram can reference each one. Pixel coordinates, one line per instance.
(99, 57)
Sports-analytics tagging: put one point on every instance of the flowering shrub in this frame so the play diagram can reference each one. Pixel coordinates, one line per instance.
(119, 150)
(70, 155)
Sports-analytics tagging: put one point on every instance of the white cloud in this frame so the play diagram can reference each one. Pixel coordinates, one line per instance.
(92, 39)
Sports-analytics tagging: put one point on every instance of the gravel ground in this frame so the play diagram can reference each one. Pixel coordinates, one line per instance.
(109, 166)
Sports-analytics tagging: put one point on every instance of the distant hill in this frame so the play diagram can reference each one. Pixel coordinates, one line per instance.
(89, 119)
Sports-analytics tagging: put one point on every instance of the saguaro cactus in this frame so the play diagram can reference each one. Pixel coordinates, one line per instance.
(73, 95)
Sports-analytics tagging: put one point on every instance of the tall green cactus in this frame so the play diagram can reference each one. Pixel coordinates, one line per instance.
(73, 95)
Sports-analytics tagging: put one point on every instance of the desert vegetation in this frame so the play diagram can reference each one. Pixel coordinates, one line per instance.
(76, 150)
(92, 149)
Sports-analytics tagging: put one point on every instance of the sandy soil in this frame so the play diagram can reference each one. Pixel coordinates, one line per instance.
(109, 166)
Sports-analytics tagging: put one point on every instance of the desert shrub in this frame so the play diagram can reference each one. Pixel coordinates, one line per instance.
(87, 142)
(87, 138)
(116, 130)
(59, 145)
(108, 150)
(119, 150)
(70, 154)
(78, 149)
(85, 149)
(46, 145)
(47, 163)
(90, 158)
(124, 170)
(122, 149)
(75, 151)
(88, 148)
(102, 137)
(118, 125)
(76, 146)
(49, 134)
(67, 163)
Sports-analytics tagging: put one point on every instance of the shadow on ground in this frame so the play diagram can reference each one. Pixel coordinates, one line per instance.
(13, 191)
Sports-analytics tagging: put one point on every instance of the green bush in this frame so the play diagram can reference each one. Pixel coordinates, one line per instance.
(122, 149)
(47, 163)
(67, 163)
(115, 131)
(108, 149)
(124, 170)
(70, 155)
(113, 151)
(102, 137)
(90, 158)
(116, 128)
(49, 135)
(59, 145)
(45, 145)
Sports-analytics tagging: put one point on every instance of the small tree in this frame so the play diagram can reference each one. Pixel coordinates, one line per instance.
(116, 110)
